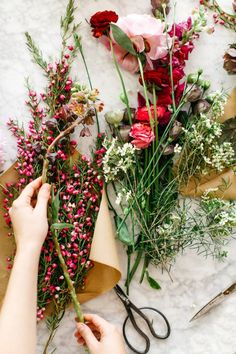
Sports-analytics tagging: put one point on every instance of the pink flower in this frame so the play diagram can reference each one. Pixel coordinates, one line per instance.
(142, 134)
(147, 35)
(180, 28)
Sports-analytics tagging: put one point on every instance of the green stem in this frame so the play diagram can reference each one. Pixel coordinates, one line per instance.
(90, 81)
(145, 92)
(126, 98)
(71, 287)
(135, 266)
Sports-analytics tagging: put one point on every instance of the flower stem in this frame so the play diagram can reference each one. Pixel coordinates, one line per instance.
(55, 141)
(71, 288)
(89, 79)
(126, 98)
(145, 92)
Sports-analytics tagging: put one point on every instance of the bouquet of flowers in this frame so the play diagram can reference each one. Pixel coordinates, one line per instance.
(153, 150)
(46, 149)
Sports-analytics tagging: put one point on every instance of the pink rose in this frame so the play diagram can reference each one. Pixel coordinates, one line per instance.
(142, 134)
(147, 34)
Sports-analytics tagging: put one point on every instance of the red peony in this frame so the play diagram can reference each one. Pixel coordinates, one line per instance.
(143, 116)
(164, 97)
(159, 77)
(142, 134)
(101, 20)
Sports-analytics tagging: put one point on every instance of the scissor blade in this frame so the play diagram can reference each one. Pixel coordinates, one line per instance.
(215, 301)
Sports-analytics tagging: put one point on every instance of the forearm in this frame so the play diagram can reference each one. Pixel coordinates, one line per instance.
(18, 313)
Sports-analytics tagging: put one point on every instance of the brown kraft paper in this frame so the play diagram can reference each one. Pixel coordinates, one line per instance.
(106, 271)
(224, 182)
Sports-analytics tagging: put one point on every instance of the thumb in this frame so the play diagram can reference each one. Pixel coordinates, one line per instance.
(43, 197)
(87, 335)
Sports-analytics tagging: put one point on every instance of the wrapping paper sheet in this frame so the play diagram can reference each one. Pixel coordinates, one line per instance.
(196, 188)
(106, 271)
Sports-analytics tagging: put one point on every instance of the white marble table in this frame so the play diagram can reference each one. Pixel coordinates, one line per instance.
(195, 279)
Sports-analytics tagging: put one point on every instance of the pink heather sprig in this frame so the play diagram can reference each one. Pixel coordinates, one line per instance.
(220, 16)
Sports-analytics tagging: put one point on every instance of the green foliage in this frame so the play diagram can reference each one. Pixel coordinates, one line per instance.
(152, 282)
(122, 39)
(35, 51)
(122, 230)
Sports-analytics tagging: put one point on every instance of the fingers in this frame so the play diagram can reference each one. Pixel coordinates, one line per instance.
(100, 324)
(87, 335)
(43, 197)
(29, 190)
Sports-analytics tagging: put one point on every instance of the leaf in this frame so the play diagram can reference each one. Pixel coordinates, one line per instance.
(55, 206)
(122, 39)
(122, 231)
(229, 132)
(61, 226)
(152, 282)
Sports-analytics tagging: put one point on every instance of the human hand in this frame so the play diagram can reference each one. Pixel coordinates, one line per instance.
(99, 336)
(30, 223)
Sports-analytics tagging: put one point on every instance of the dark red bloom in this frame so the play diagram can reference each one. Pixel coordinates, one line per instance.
(159, 77)
(143, 116)
(181, 54)
(179, 92)
(101, 20)
(164, 97)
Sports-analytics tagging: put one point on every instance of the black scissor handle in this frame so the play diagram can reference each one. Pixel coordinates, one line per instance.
(142, 334)
(168, 329)
(149, 323)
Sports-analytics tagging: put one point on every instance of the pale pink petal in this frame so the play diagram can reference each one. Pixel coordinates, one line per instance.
(130, 63)
(158, 49)
(105, 41)
(139, 43)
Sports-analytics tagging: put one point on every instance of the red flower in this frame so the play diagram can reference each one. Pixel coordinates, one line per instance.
(164, 97)
(143, 116)
(142, 134)
(159, 77)
(100, 22)
(181, 28)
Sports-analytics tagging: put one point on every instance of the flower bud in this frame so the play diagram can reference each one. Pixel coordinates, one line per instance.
(114, 117)
(126, 115)
(51, 123)
(176, 130)
(85, 132)
(168, 150)
(234, 5)
(158, 7)
(201, 106)
(205, 84)
(192, 78)
(194, 94)
(124, 132)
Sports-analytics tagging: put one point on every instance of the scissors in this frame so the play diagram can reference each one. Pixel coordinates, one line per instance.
(131, 309)
(215, 301)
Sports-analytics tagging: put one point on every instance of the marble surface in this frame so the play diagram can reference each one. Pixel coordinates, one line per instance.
(195, 279)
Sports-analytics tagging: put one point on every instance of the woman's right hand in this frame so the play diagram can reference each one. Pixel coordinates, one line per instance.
(99, 336)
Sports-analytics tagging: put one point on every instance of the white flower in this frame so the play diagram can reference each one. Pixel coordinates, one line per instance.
(177, 149)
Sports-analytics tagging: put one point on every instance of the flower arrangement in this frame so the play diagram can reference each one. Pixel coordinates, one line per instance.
(46, 149)
(154, 149)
